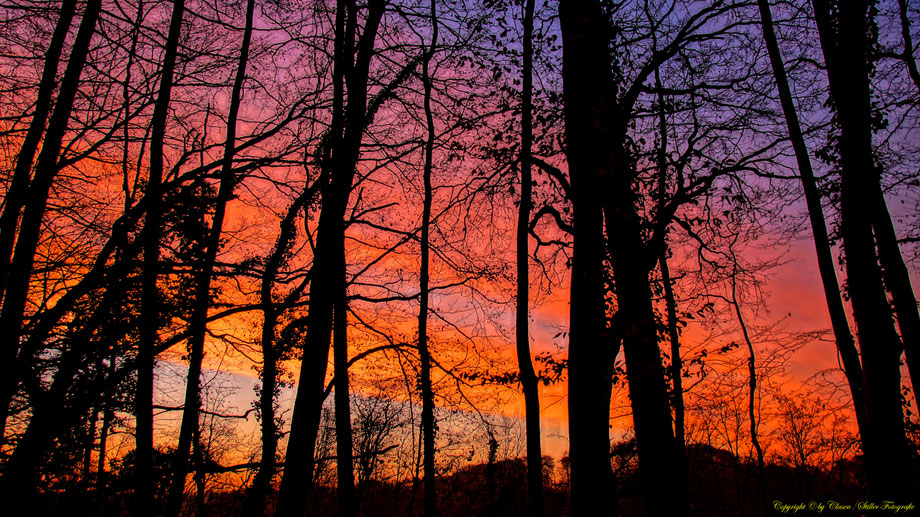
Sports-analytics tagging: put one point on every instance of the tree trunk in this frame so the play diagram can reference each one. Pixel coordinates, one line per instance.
(34, 198)
(587, 84)
(328, 270)
(752, 385)
(90, 440)
(107, 416)
(428, 422)
(299, 462)
(344, 461)
(897, 280)
(261, 486)
(908, 54)
(677, 388)
(22, 172)
(150, 237)
(598, 161)
(200, 476)
(847, 59)
(189, 426)
(658, 449)
(528, 377)
(308, 402)
(846, 346)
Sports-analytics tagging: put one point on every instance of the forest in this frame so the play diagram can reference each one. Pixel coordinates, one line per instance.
(459, 257)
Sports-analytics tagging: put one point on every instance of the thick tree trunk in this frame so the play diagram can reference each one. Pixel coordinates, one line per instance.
(587, 84)
(144, 503)
(299, 461)
(846, 346)
(658, 449)
(598, 161)
(189, 426)
(308, 403)
(908, 54)
(16, 271)
(847, 59)
(428, 422)
(897, 280)
(528, 377)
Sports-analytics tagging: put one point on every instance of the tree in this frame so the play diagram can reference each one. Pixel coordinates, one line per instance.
(189, 429)
(842, 335)
(846, 31)
(19, 183)
(428, 422)
(528, 377)
(34, 201)
(144, 502)
(18, 473)
(327, 290)
(588, 83)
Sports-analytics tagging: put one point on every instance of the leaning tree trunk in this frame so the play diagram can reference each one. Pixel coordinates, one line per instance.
(299, 463)
(188, 429)
(308, 402)
(846, 346)
(33, 198)
(261, 485)
(144, 498)
(846, 53)
(19, 183)
(529, 382)
(897, 280)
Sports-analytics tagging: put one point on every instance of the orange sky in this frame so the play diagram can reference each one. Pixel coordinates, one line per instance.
(795, 296)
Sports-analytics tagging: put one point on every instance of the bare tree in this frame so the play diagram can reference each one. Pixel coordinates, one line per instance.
(844, 338)
(327, 290)
(428, 421)
(845, 39)
(528, 376)
(189, 429)
(34, 200)
(144, 502)
(587, 86)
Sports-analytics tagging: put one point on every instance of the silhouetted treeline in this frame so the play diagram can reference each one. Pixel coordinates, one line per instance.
(285, 257)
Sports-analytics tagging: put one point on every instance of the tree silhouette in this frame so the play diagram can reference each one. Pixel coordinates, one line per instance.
(847, 32)
(415, 190)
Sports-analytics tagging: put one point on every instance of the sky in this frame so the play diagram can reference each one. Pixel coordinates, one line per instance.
(795, 301)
